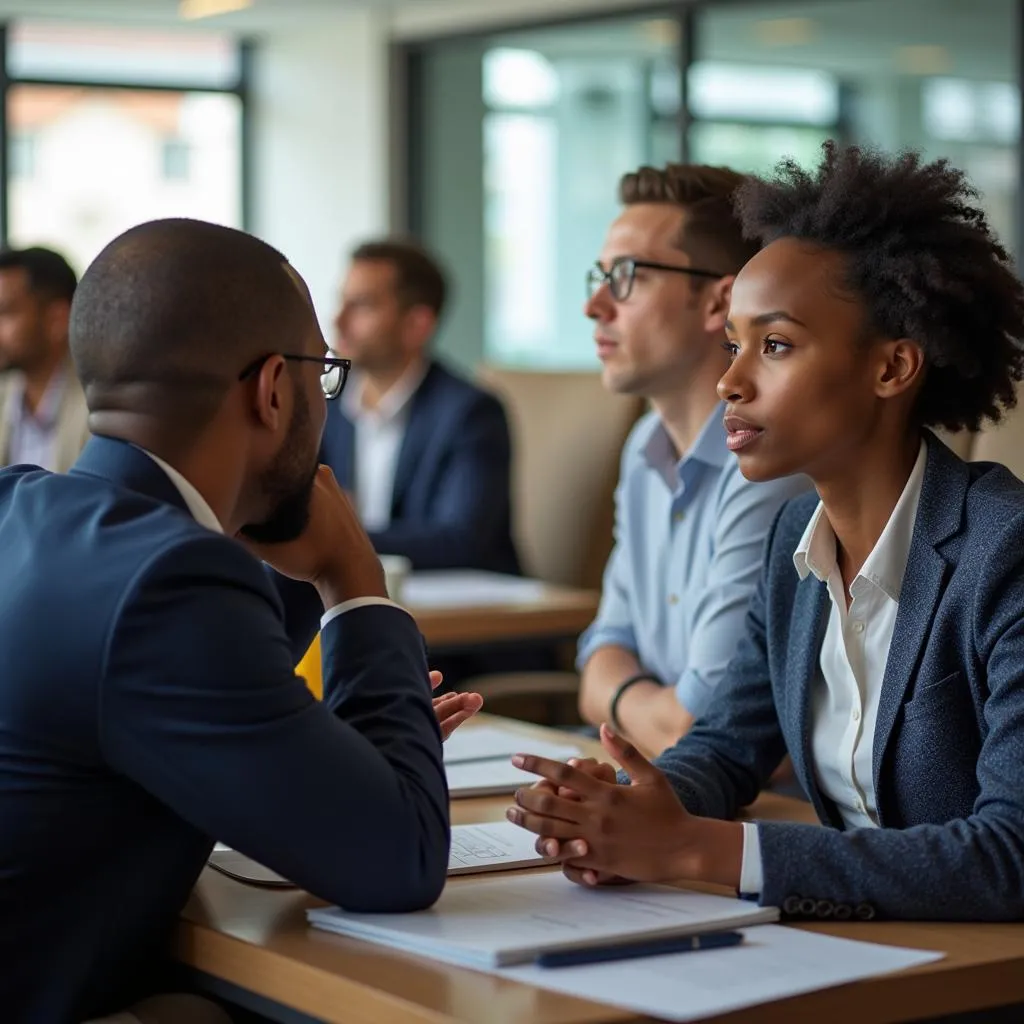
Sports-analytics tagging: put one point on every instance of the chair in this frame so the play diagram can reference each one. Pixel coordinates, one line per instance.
(1003, 442)
(567, 437)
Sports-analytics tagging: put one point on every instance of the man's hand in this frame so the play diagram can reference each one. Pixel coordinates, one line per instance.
(639, 832)
(453, 708)
(333, 553)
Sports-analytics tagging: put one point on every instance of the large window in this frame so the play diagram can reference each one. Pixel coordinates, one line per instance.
(940, 76)
(519, 138)
(108, 128)
(563, 112)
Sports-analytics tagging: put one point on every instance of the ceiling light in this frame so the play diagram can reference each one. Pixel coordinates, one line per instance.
(785, 31)
(208, 8)
(923, 59)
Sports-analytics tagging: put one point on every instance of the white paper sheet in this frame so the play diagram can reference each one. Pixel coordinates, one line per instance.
(490, 778)
(497, 846)
(490, 742)
(773, 963)
(510, 920)
(454, 588)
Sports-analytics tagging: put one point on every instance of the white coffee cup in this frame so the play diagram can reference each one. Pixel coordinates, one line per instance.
(396, 569)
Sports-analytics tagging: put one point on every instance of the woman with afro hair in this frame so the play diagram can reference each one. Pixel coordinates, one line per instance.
(884, 647)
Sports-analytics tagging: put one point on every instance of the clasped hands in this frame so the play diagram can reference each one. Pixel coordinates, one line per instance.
(604, 833)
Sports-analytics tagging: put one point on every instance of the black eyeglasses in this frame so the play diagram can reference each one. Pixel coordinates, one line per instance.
(622, 273)
(333, 376)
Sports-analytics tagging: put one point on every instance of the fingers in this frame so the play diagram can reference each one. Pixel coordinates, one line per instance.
(561, 774)
(555, 849)
(436, 679)
(554, 828)
(590, 878)
(452, 722)
(548, 804)
(636, 766)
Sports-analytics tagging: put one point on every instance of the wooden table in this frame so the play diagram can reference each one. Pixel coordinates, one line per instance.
(253, 945)
(561, 613)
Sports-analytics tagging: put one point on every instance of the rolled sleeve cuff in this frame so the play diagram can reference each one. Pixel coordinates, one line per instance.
(694, 693)
(598, 636)
(751, 871)
(357, 602)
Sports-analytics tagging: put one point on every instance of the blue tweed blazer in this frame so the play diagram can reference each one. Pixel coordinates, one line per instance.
(949, 739)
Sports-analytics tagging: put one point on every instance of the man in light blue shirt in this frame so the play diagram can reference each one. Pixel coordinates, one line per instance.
(689, 527)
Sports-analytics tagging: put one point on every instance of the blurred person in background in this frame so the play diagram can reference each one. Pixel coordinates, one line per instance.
(425, 452)
(42, 408)
(689, 528)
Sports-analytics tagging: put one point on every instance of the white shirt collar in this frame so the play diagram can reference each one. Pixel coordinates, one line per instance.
(393, 402)
(195, 502)
(887, 563)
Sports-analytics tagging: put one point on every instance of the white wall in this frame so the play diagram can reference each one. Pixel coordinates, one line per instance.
(320, 168)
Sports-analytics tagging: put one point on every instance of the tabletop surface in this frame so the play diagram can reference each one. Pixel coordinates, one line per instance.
(258, 939)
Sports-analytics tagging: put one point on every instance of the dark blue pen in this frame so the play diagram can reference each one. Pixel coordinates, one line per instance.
(629, 951)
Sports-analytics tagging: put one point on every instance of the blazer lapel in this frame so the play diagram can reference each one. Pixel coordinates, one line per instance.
(339, 445)
(939, 515)
(810, 606)
(415, 440)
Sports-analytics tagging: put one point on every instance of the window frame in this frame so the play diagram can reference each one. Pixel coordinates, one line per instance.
(241, 88)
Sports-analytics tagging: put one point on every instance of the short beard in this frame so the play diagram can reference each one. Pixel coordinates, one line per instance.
(289, 488)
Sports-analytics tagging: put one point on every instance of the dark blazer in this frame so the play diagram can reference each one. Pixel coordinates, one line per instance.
(451, 506)
(949, 738)
(148, 706)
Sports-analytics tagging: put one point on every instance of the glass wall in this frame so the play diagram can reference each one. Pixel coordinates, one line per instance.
(520, 137)
(563, 112)
(115, 127)
(940, 76)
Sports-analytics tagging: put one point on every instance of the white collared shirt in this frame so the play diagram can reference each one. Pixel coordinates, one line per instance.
(33, 435)
(201, 512)
(852, 663)
(379, 434)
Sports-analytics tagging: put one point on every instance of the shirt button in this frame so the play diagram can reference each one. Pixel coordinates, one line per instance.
(858, 626)
(677, 517)
(856, 714)
(673, 599)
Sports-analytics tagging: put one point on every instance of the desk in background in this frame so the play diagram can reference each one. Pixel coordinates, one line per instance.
(456, 609)
(253, 946)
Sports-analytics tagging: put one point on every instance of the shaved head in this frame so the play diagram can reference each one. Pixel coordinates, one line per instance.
(171, 312)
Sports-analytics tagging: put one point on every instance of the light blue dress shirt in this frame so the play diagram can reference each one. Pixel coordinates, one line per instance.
(689, 535)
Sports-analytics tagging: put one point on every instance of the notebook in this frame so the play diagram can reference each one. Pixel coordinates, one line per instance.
(497, 846)
(496, 922)
(491, 743)
(496, 776)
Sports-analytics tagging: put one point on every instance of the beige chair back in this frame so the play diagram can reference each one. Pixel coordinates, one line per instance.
(1003, 442)
(567, 437)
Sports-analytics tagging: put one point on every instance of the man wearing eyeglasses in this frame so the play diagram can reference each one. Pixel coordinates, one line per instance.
(689, 528)
(425, 452)
(149, 703)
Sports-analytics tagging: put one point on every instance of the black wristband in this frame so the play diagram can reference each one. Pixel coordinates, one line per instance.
(613, 708)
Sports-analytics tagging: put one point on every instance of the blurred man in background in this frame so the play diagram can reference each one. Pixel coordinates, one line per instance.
(426, 453)
(42, 408)
(689, 527)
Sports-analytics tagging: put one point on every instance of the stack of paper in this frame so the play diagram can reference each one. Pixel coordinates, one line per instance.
(503, 921)
(772, 963)
(477, 761)
(468, 588)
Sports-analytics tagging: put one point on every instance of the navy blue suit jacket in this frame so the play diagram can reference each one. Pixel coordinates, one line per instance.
(949, 738)
(148, 706)
(451, 505)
